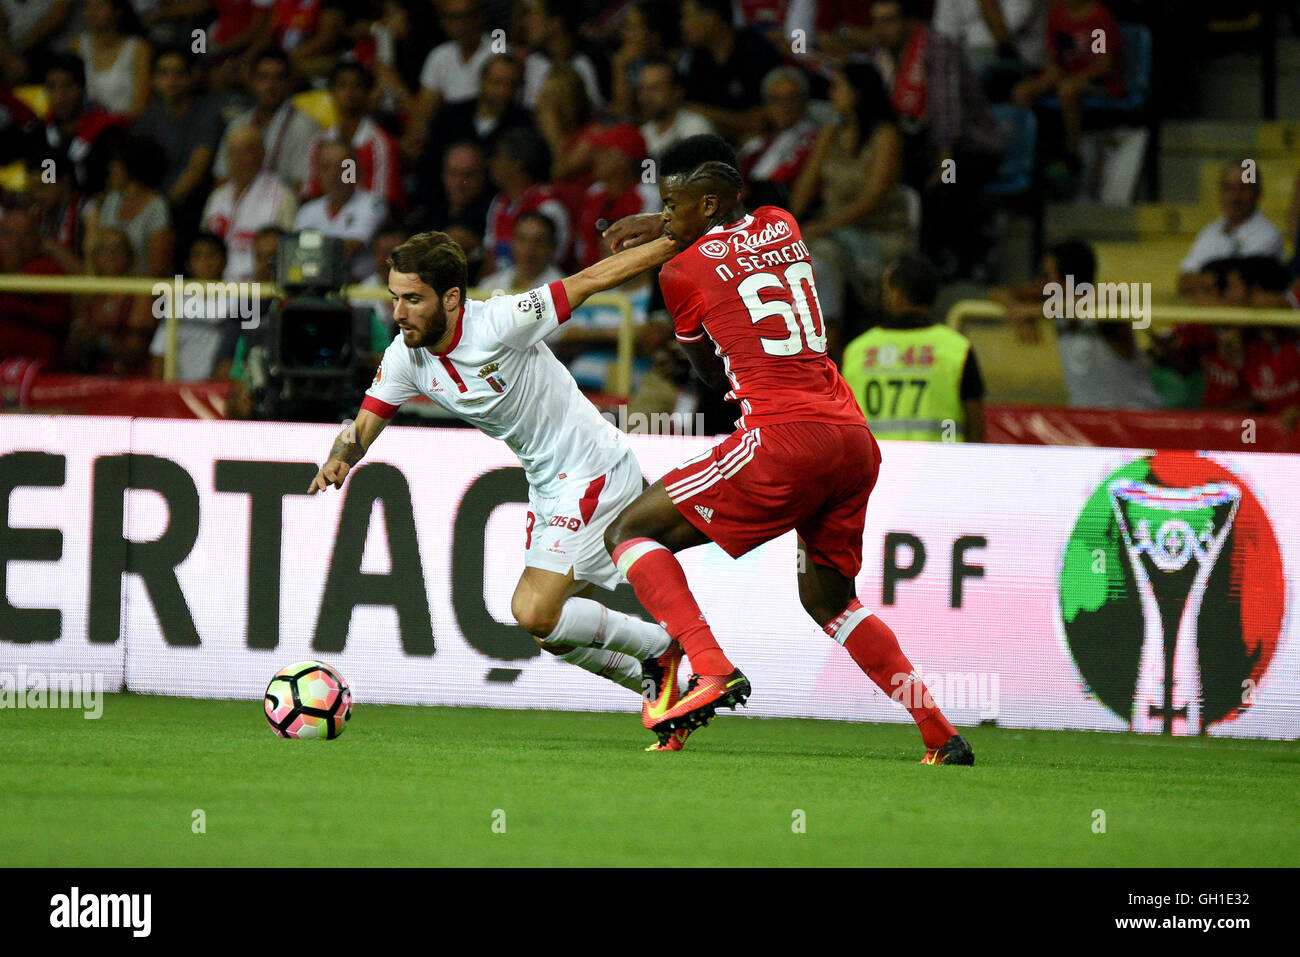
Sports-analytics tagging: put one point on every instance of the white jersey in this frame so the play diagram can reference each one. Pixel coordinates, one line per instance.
(499, 376)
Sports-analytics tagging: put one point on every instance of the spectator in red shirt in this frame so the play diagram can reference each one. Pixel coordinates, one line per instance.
(520, 166)
(619, 191)
(378, 158)
(772, 160)
(240, 30)
(1083, 57)
(85, 133)
(312, 32)
(31, 326)
(1271, 372)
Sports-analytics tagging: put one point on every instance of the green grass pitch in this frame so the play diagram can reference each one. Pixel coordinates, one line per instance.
(447, 786)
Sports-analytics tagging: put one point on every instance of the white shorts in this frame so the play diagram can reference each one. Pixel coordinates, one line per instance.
(567, 531)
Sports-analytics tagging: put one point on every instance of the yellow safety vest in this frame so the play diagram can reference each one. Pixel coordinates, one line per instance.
(908, 381)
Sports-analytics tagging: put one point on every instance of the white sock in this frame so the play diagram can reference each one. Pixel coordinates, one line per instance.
(589, 624)
(617, 667)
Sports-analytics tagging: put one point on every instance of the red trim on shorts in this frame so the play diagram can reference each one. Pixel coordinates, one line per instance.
(561, 298)
(590, 498)
(379, 407)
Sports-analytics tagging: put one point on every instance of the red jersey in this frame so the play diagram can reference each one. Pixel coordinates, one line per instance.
(378, 162)
(503, 213)
(1272, 373)
(750, 287)
(1073, 38)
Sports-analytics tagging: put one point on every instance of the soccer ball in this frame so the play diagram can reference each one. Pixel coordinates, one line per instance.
(308, 700)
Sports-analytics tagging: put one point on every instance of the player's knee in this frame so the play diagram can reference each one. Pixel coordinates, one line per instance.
(534, 617)
(617, 532)
(818, 610)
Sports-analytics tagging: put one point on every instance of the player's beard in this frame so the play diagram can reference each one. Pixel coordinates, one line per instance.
(434, 330)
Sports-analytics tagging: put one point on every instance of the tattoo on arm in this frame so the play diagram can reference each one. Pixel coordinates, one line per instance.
(347, 447)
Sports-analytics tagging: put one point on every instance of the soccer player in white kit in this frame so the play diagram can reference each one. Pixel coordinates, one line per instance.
(486, 363)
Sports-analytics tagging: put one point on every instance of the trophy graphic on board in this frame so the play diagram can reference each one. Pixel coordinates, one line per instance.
(1173, 537)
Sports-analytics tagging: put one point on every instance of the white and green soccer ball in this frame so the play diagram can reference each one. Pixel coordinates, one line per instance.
(308, 700)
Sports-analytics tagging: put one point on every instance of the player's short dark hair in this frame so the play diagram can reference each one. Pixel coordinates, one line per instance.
(915, 277)
(526, 147)
(68, 63)
(687, 155)
(351, 66)
(1074, 257)
(533, 216)
(436, 258)
(276, 231)
(205, 238)
(718, 178)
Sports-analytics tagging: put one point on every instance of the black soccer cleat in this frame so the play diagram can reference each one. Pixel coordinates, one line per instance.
(954, 751)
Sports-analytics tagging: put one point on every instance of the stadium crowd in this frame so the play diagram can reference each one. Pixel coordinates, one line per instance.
(185, 136)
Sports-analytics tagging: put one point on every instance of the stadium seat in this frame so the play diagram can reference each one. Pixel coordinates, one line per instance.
(1014, 371)
(13, 178)
(34, 97)
(1020, 132)
(318, 105)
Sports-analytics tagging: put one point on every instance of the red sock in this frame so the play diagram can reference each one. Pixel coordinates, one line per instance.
(660, 583)
(874, 647)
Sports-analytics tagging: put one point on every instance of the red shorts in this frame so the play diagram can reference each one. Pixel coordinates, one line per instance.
(756, 485)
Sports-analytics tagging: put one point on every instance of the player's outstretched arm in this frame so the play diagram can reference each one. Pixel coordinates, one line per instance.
(634, 230)
(349, 446)
(617, 269)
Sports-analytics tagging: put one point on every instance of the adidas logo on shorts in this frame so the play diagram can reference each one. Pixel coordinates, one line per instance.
(705, 513)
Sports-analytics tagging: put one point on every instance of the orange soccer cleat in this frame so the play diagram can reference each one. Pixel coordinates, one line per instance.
(703, 696)
(659, 685)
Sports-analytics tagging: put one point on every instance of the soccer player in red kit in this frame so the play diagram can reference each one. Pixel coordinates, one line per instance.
(801, 458)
